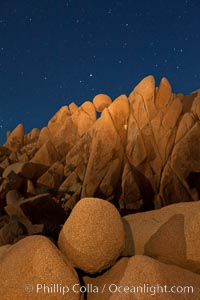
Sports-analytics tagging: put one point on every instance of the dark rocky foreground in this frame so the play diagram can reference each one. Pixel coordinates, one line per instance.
(140, 155)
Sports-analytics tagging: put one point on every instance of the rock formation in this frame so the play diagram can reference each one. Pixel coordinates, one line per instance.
(141, 153)
(140, 157)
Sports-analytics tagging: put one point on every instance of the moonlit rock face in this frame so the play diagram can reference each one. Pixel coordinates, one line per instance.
(92, 238)
(53, 176)
(46, 155)
(164, 93)
(72, 107)
(146, 87)
(15, 139)
(146, 91)
(101, 101)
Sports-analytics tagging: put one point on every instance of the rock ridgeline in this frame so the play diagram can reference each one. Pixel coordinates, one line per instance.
(141, 153)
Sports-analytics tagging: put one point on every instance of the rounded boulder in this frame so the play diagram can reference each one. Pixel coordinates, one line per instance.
(101, 101)
(93, 237)
(34, 269)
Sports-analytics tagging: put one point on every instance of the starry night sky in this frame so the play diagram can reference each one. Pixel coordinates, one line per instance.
(56, 52)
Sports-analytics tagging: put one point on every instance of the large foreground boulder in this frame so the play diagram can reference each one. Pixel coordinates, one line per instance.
(3, 249)
(143, 278)
(33, 269)
(170, 234)
(92, 238)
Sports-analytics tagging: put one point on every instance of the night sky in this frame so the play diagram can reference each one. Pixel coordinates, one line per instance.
(56, 52)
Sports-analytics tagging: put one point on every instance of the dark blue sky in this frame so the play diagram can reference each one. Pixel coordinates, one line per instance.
(55, 52)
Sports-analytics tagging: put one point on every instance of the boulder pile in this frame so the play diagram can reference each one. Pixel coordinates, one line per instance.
(93, 258)
(96, 202)
(141, 153)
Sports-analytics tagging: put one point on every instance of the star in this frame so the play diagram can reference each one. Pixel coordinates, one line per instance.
(88, 40)
(29, 19)
(68, 3)
(125, 45)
